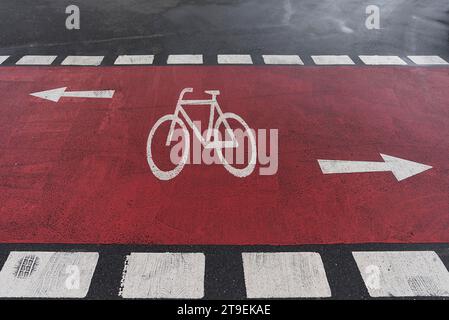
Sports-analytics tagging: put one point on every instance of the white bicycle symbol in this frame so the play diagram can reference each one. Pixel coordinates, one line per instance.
(212, 131)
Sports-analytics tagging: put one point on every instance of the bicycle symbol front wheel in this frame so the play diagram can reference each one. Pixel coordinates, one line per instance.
(169, 174)
(238, 172)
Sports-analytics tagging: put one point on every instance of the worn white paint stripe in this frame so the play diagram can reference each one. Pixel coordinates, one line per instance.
(332, 60)
(285, 275)
(282, 59)
(163, 275)
(82, 60)
(3, 59)
(234, 59)
(134, 59)
(403, 273)
(382, 60)
(37, 274)
(185, 59)
(99, 94)
(428, 60)
(36, 60)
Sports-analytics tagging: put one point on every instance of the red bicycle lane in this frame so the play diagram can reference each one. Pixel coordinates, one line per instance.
(75, 171)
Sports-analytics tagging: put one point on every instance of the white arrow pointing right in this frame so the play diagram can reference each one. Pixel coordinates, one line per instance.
(401, 168)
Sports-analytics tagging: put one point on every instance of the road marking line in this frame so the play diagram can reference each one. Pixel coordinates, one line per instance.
(38, 274)
(56, 94)
(82, 61)
(285, 275)
(401, 168)
(382, 60)
(282, 59)
(231, 59)
(185, 59)
(332, 60)
(403, 273)
(163, 275)
(234, 59)
(428, 60)
(36, 60)
(3, 59)
(134, 59)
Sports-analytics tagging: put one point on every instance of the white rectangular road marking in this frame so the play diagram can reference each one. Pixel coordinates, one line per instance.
(163, 275)
(285, 275)
(134, 59)
(428, 60)
(37, 274)
(332, 60)
(403, 273)
(3, 59)
(282, 59)
(382, 60)
(82, 61)
(234, 59)
(36, 60)
(185, 59)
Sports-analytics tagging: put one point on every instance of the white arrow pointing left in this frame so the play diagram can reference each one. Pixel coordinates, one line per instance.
(56, 94)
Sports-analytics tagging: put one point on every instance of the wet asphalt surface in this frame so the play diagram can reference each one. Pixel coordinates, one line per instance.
(304, 27)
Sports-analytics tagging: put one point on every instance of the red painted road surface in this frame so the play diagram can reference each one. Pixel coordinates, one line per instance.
(76, 171)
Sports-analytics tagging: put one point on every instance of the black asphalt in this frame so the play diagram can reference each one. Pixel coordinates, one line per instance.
(305, 27)
(224, 276)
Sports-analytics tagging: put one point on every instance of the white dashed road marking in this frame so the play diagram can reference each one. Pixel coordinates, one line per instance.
(3, 59)
(42, 274)
(282, 59)
(185, 59)
(37, 274)
(428, 60)
(82, 61)
(332, 60)
(164, 275)
(382, 60)
(285, 275)
(234, 59)
(230, 59)
(134, 59)
(36, 60)
(403, 274)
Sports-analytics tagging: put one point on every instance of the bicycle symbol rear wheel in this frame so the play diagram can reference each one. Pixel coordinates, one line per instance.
(169, 174)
